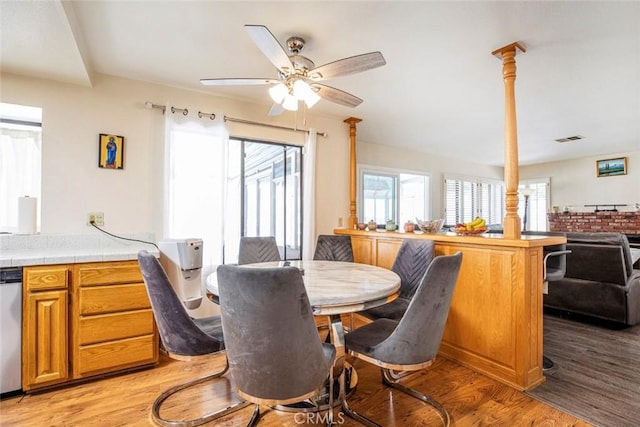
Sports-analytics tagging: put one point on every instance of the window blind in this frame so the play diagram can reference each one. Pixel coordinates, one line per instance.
(470, 197)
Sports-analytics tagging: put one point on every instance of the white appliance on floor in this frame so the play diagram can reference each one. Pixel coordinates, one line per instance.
(182, 261)
(10, 329)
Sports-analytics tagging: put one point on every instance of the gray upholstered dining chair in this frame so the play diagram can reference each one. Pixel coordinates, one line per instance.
(183, 337)
(266, 311)
(411, 343)
(333, 248)
(258, 249)
(414, 256)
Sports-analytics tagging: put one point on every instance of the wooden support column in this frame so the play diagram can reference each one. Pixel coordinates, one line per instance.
(353, 178)
(511, 223)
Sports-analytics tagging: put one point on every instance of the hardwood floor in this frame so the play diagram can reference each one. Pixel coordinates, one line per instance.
(125, 400)
(597, 370)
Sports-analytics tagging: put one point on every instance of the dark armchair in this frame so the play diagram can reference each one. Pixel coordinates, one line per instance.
(600, 280)
(274, 351)
(411, 343)
(333, 248)
(183, 337)
(414, 256)
(258, 249)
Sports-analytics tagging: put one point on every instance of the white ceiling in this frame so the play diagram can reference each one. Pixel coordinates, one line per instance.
(441, 90)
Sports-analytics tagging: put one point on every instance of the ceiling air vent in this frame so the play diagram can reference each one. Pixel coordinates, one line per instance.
(570, 138)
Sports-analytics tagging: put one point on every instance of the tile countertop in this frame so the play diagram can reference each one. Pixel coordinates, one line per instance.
(40, 249)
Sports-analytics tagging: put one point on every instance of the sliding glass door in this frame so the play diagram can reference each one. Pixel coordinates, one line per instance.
(272, 194)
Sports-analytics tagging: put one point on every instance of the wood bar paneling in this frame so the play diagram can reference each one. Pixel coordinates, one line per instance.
(495, 322)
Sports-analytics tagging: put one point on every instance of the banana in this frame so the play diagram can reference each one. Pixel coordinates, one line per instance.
(475, 222)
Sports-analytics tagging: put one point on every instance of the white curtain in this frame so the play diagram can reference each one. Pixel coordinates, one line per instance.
(195, 182)
(20, 166)
(309, 195)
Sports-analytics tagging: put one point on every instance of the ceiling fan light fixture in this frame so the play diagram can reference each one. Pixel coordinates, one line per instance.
(304, 92)
(278, 93)
(311, 99)
(290, 103)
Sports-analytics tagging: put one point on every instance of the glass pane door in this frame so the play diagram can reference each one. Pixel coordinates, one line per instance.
(272, 204)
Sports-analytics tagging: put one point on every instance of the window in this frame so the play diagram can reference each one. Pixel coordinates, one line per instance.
(219, 188)
(272, 194)
(470, 197)
(538, 204)
(20, 160)
(392, 195)
(195, 186)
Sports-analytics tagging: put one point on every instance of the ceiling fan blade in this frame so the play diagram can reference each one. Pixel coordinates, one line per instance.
(276, 109)
(346, 66)
(270, 47)
(336, 95)
(237, 82)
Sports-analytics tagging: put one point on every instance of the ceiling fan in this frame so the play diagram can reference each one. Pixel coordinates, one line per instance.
(298, 77)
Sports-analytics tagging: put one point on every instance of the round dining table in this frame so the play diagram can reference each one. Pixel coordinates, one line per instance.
(335, 288)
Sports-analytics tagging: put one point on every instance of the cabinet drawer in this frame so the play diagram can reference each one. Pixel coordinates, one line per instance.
(109, 327)
(115, 355)
(109, 299)
(45, 278)
(108, 273)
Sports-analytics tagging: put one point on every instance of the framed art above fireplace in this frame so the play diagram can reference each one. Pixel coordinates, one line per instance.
(611, 167)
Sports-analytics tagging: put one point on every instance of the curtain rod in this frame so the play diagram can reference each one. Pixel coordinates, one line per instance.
(249, 122)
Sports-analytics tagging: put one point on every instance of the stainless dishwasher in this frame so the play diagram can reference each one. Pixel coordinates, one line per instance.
(10, 329)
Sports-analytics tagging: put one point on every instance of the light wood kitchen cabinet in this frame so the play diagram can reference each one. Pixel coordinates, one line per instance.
(83, 320)
(112, 321)
(380, 252)
(45, 326)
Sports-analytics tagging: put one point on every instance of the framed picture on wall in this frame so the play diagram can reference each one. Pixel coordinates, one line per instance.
(611, 167)
(110, 151)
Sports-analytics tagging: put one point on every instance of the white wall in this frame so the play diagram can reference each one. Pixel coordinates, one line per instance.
(131, 199)
(574, 182)
(429, 164)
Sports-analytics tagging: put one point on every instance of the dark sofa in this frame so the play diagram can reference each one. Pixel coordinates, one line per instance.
(600, 280)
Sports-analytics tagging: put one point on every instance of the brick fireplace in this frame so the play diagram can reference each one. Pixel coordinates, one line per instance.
(597, 222)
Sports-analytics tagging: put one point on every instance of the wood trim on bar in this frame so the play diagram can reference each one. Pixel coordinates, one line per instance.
(511, 223)
(353, 178)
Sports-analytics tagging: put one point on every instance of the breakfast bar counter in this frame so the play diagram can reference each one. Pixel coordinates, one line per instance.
(495, 322)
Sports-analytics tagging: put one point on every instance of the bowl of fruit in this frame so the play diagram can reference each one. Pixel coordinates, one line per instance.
(432, 226)
(477, 226)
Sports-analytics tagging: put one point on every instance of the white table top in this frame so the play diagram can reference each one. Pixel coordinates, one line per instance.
(338, 287)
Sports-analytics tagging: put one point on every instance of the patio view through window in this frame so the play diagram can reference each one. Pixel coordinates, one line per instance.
(272, 194)
(220, 192)
(391, 195)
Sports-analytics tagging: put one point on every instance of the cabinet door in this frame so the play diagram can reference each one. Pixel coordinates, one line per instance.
(363, 250)
(44, 339)
(386, 252)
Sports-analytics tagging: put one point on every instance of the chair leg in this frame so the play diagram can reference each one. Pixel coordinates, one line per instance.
(155, 411)
(347, 409)
(255, 416)
(388, 379)
(547, 363)
(330, 410)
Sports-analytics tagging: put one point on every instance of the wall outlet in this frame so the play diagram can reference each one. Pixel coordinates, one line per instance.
(96, 217)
